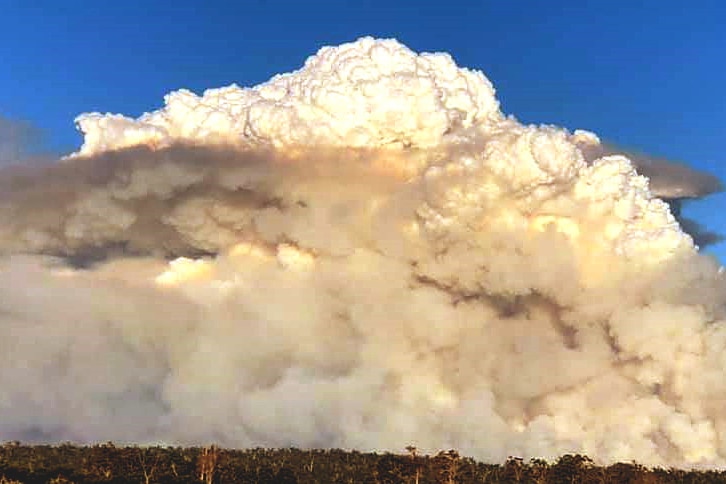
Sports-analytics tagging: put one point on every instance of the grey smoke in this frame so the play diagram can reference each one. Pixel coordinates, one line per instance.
(186, 200)
(178, 201)
(21, 143)
(669, 179)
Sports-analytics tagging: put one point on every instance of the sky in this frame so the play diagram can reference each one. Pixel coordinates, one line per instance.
(645, 75)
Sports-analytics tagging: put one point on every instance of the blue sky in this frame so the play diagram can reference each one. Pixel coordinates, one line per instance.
(647, 75)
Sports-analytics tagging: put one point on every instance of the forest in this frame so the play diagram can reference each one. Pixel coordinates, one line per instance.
(107, 463)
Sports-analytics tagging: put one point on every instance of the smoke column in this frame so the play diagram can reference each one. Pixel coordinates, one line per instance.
(365, 253)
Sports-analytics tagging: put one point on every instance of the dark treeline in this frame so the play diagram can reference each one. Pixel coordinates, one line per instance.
(110, 464)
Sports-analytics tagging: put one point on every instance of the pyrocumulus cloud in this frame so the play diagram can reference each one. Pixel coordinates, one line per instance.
(365, 253)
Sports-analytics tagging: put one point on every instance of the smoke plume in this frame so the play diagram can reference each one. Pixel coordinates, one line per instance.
(673, 182)
(365, 253)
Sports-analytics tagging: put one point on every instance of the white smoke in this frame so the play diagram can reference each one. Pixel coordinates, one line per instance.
(366, 254)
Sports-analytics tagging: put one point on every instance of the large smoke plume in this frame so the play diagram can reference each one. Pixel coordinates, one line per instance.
(365, 253)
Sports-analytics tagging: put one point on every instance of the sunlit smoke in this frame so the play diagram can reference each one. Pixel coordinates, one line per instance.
(670, 181)
(365, 253)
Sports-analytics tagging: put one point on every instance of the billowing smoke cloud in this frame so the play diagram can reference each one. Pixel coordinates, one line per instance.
(673, 182)
(365, 253)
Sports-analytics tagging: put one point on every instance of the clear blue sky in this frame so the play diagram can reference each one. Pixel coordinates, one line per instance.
(644, 74)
